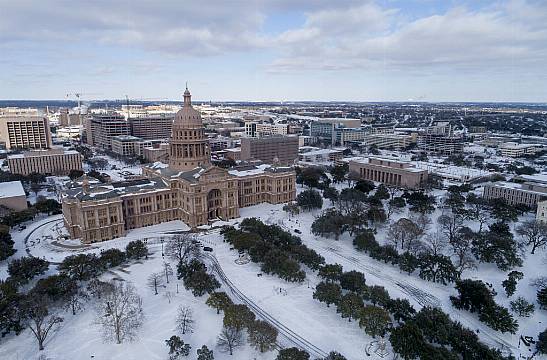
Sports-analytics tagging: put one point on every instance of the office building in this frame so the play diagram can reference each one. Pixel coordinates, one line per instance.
(24, 131)
(511, 149)
(47, 162)
(283, 149)
(528, 193)
(151, 126)
(101, 128)
(388, 171)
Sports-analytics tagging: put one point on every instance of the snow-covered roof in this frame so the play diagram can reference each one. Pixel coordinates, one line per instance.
(321, 152)
(11, 189)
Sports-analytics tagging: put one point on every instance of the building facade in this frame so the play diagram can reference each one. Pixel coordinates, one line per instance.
(511, 149)
(12, 196)
(283, 149)
(189, 188)
(152, 126)
(529, 194)
(541, 213)
(25, 132)
(101, 128)
(389, 172)
(49, 162)
(389, 141)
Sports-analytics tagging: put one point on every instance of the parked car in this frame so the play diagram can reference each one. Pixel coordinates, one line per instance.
(207, 248)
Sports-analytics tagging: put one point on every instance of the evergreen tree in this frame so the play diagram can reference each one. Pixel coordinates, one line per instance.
(292, 354)
(522, 307)
(177, 348)
(407, 341)
(408, 262)
(365, 241)
(542, 297)
(81, 267)
(377, 294)
(309, 200)
(349, 305)
(22, 270)
(541, 344)
(353, 281)
(205, 354)
(330, 222)
(112, 257)
(497, 246)
(374, 320)
(238, 316)
(327, 292)
(219, 301)
(401, 309)
(437, 268)
(6, 243)
(331, 272)
(136, 250)
(510, 284)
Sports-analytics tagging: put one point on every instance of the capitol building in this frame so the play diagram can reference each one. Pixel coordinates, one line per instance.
(188, 188)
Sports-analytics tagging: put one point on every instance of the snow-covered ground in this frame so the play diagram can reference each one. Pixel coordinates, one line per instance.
(289, 304)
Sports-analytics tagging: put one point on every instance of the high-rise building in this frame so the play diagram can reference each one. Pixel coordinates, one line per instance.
(101, 128)
(283, 149)
(152, 126)
(440, 138)
(24, 131)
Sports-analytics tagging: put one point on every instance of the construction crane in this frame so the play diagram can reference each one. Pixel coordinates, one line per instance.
(78, 99)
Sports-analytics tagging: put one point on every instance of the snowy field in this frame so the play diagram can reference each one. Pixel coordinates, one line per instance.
(290, 304)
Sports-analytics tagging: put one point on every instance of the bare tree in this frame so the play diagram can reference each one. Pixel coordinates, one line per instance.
(422, 221)
(167, 271)
(229, 339)
(461, 247)
(168, 295)
(185, 321)
(182, 247)
(292, 209)
(478, 211)
(533, 233)
(262, 335)
(435, 242)
(75, 299)
(450, 224)
(154, 281)
(403, 232)
(36, 315)
(120, 313)
(98, 288)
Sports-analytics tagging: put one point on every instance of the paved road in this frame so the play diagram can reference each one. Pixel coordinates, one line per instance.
(287, 333)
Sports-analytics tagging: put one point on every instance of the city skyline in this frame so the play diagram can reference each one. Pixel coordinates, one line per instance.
(421, 50)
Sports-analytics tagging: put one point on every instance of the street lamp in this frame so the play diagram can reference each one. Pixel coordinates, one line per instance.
(161, 247)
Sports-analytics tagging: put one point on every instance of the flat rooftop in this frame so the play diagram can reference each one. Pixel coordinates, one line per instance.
(10, 189)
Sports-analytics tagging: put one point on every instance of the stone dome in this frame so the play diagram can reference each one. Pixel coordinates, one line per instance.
(188, 116)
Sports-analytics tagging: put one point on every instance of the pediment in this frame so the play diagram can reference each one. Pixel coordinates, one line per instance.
(214, 173)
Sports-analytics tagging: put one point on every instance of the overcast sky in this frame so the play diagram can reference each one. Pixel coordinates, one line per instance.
(385, 50)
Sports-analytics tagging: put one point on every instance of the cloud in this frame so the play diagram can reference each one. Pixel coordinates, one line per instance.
(181, 27)
(370, 37)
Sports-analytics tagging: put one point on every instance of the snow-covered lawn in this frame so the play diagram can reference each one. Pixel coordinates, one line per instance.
(290, 304)
(80, 338)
